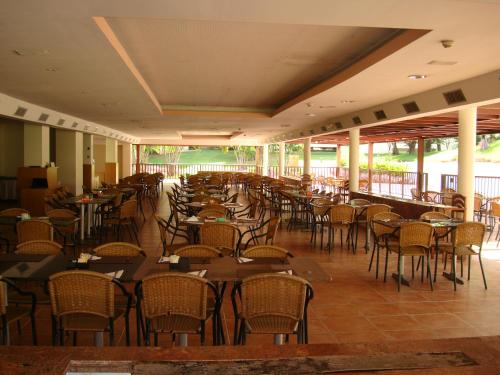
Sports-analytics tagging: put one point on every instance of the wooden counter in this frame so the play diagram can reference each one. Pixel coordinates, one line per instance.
(408, 208)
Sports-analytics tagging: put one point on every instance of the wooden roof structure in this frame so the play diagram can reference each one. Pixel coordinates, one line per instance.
(437, 126)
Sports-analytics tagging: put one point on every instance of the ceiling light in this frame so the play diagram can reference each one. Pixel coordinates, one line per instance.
(51, 69)
(285, 125)
(347, 101)
(442, 62)
(417, 76)
(327, 106)
(309, 104)
(310, 114)
(447, 43)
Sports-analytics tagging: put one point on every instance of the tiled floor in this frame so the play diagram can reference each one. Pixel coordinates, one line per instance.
(354, 306)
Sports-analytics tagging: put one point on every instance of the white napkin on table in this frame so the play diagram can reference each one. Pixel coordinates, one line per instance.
(289, 272)
(192, 218)
(244, 260)
(116, 274)
(198, 273)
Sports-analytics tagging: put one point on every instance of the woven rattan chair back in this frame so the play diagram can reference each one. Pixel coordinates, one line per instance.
(342, 214)
(434, 215)
(43, 247)
(469, 234)
(495, 208)
(173, 293)
(198, 251)
(381, 229)
(120, 249)
(82, 292)
(272, 228)
(432, 196)
(266, 251)
(414, 234)
(3, 297)
(374, 209)
(128, 209)
(13, 212)
(273, 303)
(359, 202)
(29, 230)
(61, 213)
(211, 212)
(222, 236)
(321, 207)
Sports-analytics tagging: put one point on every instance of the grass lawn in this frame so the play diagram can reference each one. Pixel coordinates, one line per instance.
(204, 156)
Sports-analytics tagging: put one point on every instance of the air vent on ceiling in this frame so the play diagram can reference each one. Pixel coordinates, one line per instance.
(411, 107)
(338, 125)
(61, 122)
(43, 117)
(86, 127)
(75, 124)
(380, 115)
(324, 128)
(20, 111)
(453, 97)
(356, 120)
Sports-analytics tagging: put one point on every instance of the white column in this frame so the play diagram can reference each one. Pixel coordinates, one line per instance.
(353, 159)
(69, 159)
(126, 159)
(281, 160)
(307, 155)
(36, 145)
(265, 159)
(466, 150)
(88, 161)
(111, 165)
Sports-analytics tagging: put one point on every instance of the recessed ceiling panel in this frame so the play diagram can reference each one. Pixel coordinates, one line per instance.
(239, 64)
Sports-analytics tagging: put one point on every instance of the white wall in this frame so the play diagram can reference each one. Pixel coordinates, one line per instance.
(11, 146)
(100, 160)
(69, 159)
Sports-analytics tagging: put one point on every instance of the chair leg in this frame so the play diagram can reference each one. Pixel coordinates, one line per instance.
(386, 261)
(454, 270)
(429, 271)
(111, 332)
(468, 268)
(399, 272)
(482, 271)
(236, 335)
(54, 330)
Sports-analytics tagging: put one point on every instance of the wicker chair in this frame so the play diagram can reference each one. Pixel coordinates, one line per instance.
(467, 241)
(13, 212)
(29, 230)
(381, 233)
(271, 304)
(85, 301)
(363, 218)
(415, 194)
(267, 230)
(223, 236)
(198, 251)
(415, 239)
(177, 303)
(120, 249)
(10, 313)
(266, 251)
(359, 202)
(163, 228)
(440, 234)
(65, 223)
(494, 215)
(341, 218)
(43, 247)
(320, 209)
(124, 217)
(432, 196)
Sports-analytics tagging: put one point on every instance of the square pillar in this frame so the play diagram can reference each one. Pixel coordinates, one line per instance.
(420, 164)
(281, 160)
(370, 166)
(36, 145)
(88, 161)
(339, 160)
(126, 160)
(265, 159)
(69, 159)
(111, 164)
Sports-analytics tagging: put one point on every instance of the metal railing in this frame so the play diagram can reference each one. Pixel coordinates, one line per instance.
(488, 186)
(175, 170)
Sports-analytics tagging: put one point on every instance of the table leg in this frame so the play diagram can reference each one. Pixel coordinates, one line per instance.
(395, 276)
(89, 219)
(82, 222)
(183, 339)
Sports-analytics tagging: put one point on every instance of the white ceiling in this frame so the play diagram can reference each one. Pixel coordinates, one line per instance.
(231, 53)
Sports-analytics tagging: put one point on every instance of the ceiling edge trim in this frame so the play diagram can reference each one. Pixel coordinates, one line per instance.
(108, 32)
(400, 40)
